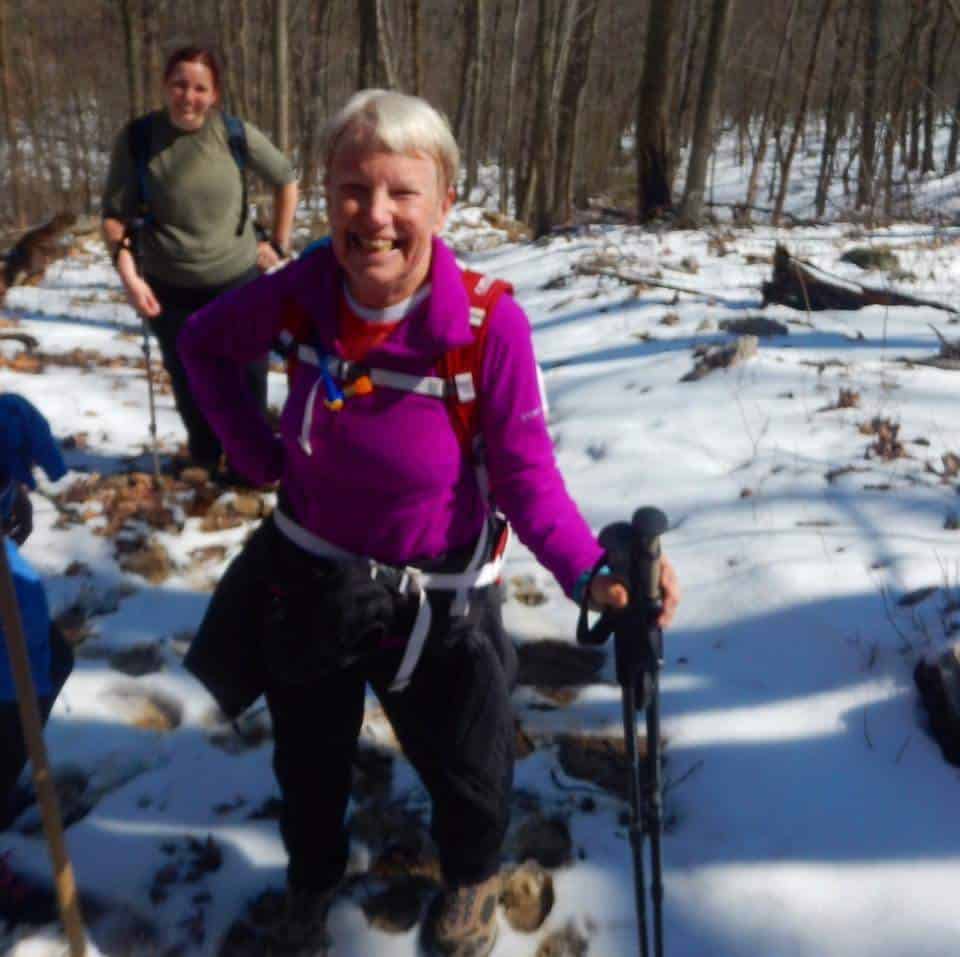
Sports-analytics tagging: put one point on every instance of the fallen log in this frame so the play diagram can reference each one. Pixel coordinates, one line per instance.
(800, 285)
(639, 280)
(27, 341)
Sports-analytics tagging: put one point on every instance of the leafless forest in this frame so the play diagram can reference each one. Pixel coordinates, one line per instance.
(609, 105)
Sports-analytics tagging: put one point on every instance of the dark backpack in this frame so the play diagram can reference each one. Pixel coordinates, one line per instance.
(140, 151)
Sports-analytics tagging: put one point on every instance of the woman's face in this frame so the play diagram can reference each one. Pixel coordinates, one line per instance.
(384, 210)
(190, 93)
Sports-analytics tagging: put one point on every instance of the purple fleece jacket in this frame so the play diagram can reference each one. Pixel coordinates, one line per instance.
(386, 477)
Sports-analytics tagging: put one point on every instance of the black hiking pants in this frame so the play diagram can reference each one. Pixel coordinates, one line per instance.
(454, 720)
(13, 751)
(178, 304)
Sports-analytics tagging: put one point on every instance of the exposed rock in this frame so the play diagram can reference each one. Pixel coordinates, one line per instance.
(721, 357)
(380, 825)
(527, 896)
(599, 759)
(558, 663)
(755, 326)
(872, 257)
(144, 708)
(566, 942)
(938, 682)
(395, 907)
(409, 853)
(543, 839)
(138, 660)
(150, 560)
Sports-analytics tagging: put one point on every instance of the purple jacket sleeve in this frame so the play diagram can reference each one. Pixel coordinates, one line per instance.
(216, 344)
(524, 479)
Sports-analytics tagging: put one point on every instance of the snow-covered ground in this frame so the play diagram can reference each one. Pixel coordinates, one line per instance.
(810, 813)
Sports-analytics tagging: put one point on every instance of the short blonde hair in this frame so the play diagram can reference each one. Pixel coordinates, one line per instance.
(399, 123)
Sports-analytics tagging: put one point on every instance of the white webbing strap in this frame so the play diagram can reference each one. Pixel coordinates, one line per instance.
(461, 600)
(308, 419)
(476, 575)
(344, 368)
(416, 641)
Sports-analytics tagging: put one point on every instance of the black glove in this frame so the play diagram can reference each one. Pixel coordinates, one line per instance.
(18, 522)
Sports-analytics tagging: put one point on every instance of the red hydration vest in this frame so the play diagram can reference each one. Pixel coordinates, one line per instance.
(458, 371)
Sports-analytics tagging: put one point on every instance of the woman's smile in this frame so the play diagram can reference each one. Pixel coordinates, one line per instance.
(385, 208)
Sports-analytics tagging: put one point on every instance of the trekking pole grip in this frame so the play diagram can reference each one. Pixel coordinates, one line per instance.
(648, 525)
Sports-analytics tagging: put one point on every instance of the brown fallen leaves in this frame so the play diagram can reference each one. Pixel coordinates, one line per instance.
(129, 508)
(886, 444)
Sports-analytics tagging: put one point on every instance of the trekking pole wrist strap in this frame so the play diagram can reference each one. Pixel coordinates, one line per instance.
(602, 629)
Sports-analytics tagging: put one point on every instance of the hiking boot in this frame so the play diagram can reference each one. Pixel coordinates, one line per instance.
(463, 922)
(301, 930)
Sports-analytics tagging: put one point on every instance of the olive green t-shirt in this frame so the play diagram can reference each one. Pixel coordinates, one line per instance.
(195, 198)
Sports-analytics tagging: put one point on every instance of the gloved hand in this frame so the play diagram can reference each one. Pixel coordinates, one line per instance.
(17, 520)
(25, 441)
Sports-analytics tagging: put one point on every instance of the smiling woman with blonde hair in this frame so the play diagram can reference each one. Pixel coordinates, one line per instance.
(379, 565)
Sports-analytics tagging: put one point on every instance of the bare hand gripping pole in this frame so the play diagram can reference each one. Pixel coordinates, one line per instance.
(633, 556)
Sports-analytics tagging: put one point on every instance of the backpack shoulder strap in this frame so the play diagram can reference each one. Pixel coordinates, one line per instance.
(237, 141)
(463, 365)
(139, 141)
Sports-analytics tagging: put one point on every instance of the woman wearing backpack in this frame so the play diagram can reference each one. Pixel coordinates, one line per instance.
(181, 171)
(378, 564)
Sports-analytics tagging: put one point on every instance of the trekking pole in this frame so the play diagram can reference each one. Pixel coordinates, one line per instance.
(633, 556)
(135, 231)
(67, 899)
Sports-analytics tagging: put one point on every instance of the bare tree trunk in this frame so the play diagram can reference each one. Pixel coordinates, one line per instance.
(868, 134)
(930, 92)
(469, 15)
(10, 133)
(506, 140)
(416, 33)
(368, 65)
(897, 121)
(313, 109)
(764, 135)
(694, 32)
(281, 76)
(152, 64)
(44, 147)
(385, 47)
(837, 101)
(132, 31)
(692, 207)
(542, 146)
(489, 72)
(950, 164)
(653, 104)
(476, 106)
(570, 105)
(244, 58)
(801, 115)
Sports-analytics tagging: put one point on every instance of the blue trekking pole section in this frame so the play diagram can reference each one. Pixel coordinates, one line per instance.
(633, 556)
